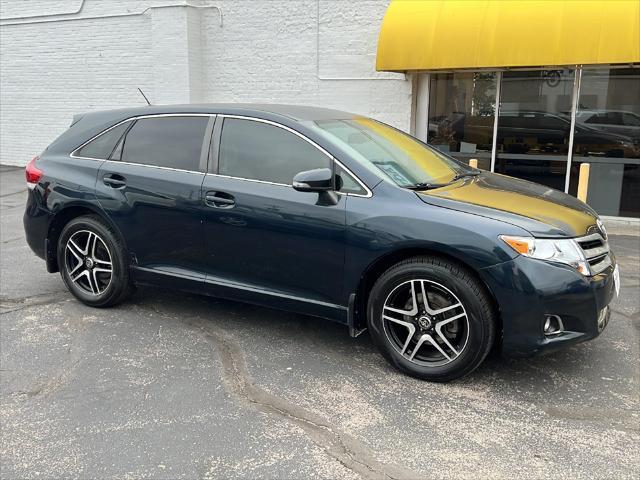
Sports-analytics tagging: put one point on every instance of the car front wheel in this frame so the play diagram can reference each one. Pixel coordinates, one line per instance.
(431, 318)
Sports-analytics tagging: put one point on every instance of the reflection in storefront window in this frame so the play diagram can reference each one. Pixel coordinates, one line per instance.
(609, 113)
(461, 115)
(534, 122)
(534, 125)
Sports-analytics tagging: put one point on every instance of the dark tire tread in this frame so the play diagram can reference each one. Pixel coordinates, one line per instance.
(125, 286)
(479, 291)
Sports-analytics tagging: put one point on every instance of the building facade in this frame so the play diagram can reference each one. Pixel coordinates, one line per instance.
(530, 93)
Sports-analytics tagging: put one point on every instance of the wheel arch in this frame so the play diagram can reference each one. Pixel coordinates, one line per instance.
(57, 224)
(381, 264)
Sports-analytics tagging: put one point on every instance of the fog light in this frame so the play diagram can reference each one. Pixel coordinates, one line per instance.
(553, 325)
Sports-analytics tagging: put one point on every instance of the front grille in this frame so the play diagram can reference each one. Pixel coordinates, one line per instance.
(596, 251)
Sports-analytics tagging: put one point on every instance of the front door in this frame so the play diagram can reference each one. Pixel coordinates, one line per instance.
(151, 189)
(265, 240)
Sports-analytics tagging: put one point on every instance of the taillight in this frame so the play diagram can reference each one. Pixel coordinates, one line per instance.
(33, 173)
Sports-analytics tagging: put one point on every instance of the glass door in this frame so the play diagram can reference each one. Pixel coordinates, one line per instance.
(461, 115)
(534, 125)
(607, 136)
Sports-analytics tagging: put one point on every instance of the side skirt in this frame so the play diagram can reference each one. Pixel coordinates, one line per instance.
(222, 288)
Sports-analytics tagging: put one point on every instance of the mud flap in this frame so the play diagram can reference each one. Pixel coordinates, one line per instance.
(354, 330)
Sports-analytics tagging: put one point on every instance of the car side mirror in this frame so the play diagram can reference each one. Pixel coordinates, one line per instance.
(318, 180)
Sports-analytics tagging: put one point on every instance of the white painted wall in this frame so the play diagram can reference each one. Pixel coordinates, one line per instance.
(56, 61)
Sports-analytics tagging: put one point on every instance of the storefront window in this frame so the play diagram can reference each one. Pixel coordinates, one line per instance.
(534, 124)
(607, 136)
(461, 115)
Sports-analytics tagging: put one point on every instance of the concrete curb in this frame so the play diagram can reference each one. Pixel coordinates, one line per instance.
(622, 226)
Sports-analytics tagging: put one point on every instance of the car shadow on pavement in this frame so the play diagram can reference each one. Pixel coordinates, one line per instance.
(277, 331)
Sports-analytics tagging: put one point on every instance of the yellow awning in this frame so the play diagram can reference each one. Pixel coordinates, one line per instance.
(449, 34)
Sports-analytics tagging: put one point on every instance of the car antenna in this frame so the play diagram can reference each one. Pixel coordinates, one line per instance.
(145, 97)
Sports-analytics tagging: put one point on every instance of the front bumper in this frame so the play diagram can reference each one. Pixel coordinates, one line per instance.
(527, 290)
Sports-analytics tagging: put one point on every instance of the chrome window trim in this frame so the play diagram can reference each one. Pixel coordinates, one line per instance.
(129, 119)
(279, 125)
(249, 179)
(368, 191)
(120, 162)
(369, 194)
(73, 153)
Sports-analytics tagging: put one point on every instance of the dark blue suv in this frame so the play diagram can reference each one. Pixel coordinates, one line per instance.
(325, 213)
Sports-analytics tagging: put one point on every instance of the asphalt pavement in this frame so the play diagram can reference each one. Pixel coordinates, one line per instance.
(171, 385)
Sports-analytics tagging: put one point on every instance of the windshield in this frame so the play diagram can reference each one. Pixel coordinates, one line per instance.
(399, 156)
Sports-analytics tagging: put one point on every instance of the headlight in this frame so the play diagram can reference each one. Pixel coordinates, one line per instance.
(564, 250)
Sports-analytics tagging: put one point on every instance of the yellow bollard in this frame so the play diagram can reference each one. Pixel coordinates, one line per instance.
(473, 163)
(583, 181)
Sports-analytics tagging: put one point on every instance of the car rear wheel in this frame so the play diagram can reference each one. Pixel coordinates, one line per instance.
(92, 262)
(431, 318)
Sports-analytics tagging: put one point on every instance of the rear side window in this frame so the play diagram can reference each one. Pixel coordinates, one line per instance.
(173, 142)
(259, 151)
(102, 146)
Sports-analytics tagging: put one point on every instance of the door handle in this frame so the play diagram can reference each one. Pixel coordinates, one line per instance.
(219, 200)
(114, 180)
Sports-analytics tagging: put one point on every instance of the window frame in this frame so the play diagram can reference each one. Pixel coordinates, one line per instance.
(204, 148)
(74, 153)
(214, 154)
(420, 110)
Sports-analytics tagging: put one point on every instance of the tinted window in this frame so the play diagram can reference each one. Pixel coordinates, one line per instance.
(348, 184)
(260, 151)
(173, 142)
(594, 119)
(631, 119)
(102, 146)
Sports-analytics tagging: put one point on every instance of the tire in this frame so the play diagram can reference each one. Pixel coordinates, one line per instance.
(426, 341)
(87, 244)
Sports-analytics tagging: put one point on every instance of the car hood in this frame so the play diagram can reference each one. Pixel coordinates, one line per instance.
(541, 210)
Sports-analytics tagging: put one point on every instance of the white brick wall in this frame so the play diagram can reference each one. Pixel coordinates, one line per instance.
(55, 63)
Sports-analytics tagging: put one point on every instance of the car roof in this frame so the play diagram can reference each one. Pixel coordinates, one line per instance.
(292, 112)
(86, 125)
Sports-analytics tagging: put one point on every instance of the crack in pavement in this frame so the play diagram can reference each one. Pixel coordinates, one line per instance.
(345, 449)
(631, 316)
(348, 451)
(54, 382)
(12, 240)
(74, 326)
(20, 303)
(13, 193)
(619, 419)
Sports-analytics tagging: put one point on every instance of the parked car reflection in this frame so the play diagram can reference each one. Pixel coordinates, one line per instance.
(614, 121)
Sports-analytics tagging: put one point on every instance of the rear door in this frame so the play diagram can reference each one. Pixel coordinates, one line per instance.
(151, 189)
